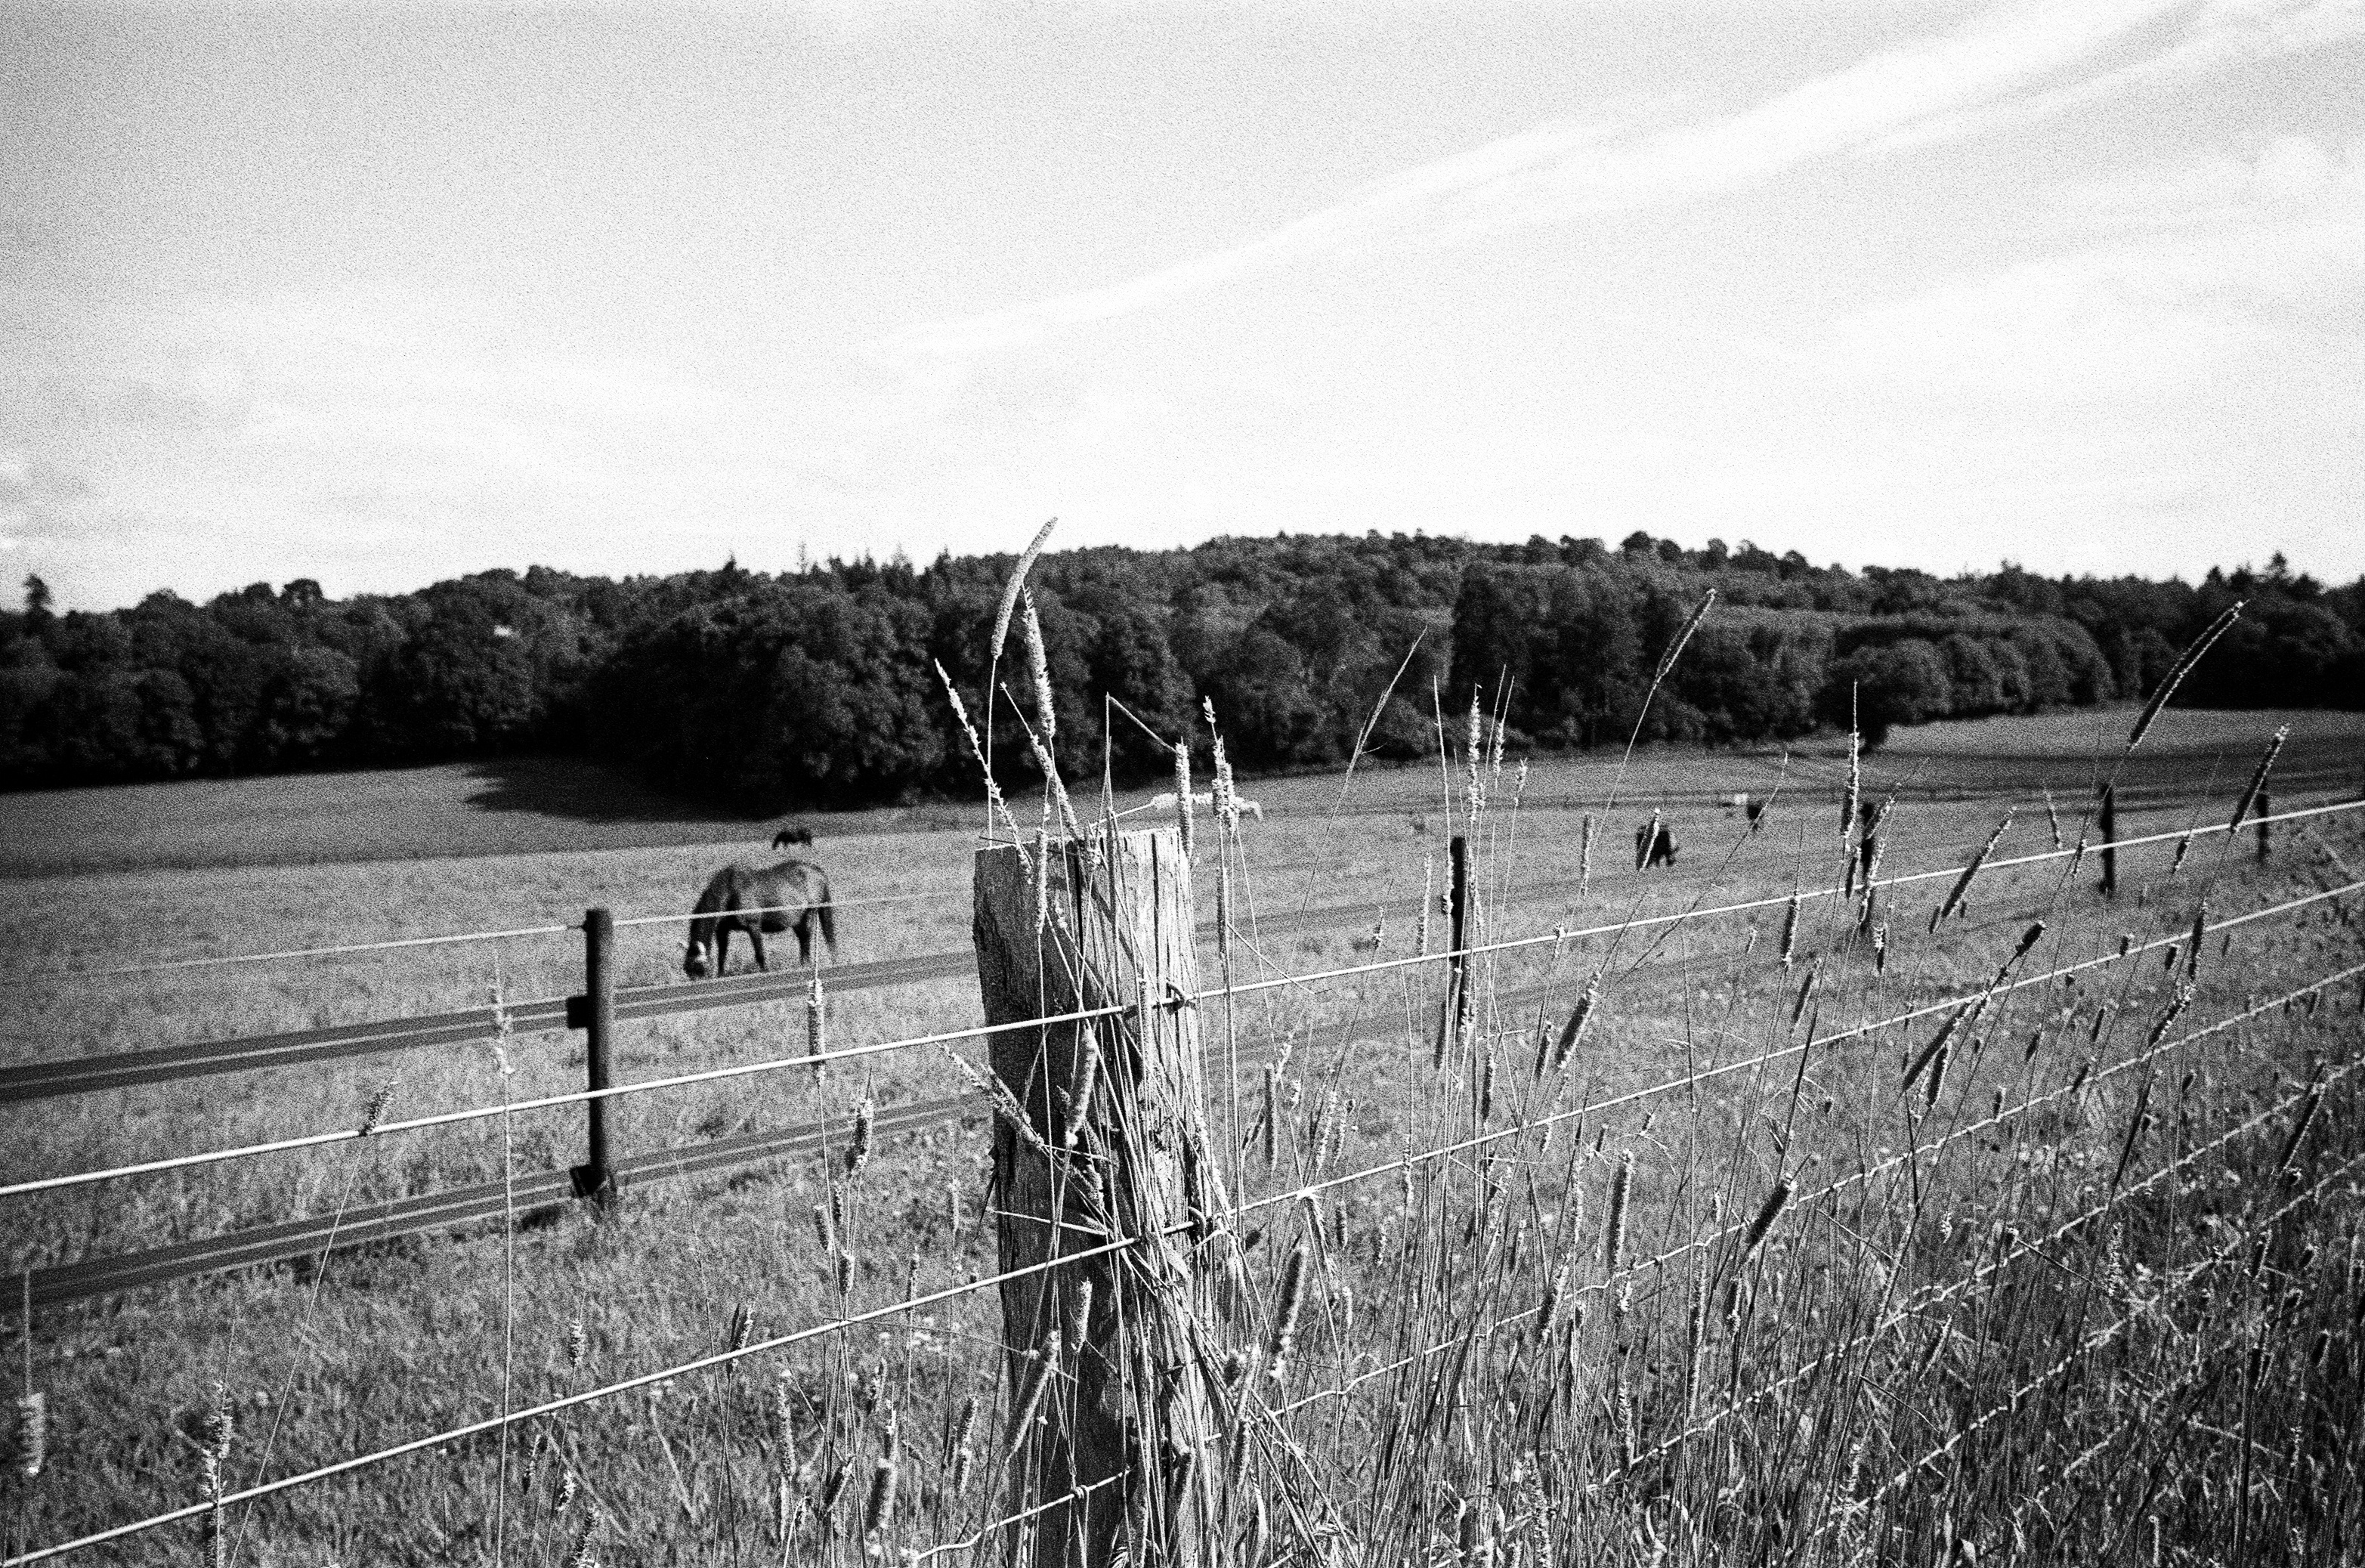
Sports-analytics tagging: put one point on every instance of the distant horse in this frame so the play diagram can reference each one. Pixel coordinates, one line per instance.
(791, 835)
(1653, 846)
(793, 894)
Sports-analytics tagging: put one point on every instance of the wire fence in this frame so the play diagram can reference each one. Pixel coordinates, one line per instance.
(1861, 1177)
(1556, 939)
(1303, 1192)
(216, 960)
(2226, 1252)
(1229, 1218)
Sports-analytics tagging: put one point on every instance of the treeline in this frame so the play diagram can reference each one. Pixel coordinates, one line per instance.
(817, 687)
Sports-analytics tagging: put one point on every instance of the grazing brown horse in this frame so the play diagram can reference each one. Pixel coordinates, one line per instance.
(793, 894)
(789, 836)
(1653, 846)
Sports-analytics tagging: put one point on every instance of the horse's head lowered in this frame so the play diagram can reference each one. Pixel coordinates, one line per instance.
(695, 961)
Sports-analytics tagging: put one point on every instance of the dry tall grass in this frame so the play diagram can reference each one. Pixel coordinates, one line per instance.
(1674, 1254)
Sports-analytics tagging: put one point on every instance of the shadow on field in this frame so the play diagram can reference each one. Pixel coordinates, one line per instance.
(582, 791)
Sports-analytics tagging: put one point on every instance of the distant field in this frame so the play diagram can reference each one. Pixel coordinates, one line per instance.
(519, 806)
(557, 805)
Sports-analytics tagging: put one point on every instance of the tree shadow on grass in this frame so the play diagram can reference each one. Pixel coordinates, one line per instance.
(579, 791)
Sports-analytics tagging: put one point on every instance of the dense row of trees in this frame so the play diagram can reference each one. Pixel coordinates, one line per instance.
(817, 687)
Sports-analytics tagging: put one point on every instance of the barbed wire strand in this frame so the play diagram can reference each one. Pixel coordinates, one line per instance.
(2224, 1253)
(1935, 1295)
(854, 1320)
(985, 1533)
(1857, 1178)
(216, 960)
(779, 1064)
(1748, 1063)
(553, 1406)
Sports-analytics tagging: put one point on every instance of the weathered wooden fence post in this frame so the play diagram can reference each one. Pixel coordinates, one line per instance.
(596, 1016)
(2110, 841)
(2266, 809)
(1127, 1406)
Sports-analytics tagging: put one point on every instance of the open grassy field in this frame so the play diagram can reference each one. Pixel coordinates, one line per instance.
(382, 1345)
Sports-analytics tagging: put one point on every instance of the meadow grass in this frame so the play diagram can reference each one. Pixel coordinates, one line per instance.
(1816, 1358)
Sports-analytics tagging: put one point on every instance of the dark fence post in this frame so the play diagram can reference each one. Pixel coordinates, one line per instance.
(596, 1177)
(2266, 810)
(1458, 893)
(2110, 841)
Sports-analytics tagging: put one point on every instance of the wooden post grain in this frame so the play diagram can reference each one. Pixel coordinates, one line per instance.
(1131, 1392)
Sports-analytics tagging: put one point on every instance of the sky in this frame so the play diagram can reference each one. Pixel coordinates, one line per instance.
(381, 295)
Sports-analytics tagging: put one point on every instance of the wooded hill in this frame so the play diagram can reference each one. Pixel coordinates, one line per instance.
(816, 687)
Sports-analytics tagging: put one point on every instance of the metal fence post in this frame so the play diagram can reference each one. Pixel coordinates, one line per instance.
(596, 1177)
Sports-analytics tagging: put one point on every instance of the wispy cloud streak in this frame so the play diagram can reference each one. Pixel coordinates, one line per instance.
(2018, 61)
(2223, 36)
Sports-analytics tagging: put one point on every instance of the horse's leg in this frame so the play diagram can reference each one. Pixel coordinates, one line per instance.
(755, 940)
(804, 938)
(721, 950)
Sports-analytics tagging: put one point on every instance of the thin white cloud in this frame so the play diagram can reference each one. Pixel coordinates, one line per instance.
(2220, 37)
(381, 426)
(2239, 257)
(1988, 68)
(2291, 174)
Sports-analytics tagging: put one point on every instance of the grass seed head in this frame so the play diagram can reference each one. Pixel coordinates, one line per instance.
(879, 1509)
(858, 1147)
(1030, 1396)
(1038, 670)
(1620, 1188)
(1579, 1018)
(1767, 1212)
(1271, 1124)
(831, 1491)
(2258, 779)
(220, 1423)
(2177, 672)
(1547, 1310)
(1185, 819)
(1083, 1085)
(376, 1112)
(32, 1433)
(816, 1023)
(1283, 1338)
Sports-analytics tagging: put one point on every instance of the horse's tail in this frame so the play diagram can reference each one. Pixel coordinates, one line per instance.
(828, 921)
